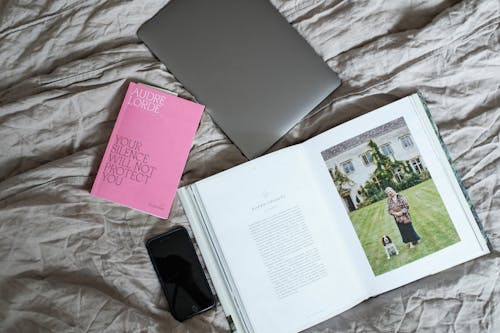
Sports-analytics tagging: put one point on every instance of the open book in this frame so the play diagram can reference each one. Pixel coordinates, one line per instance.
(302, 234)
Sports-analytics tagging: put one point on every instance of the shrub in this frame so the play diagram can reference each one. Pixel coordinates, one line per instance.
(376, 196)
(425, 175)
(365, 203)
(408, 181)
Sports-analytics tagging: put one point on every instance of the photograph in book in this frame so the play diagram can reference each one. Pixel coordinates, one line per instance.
(389, 194)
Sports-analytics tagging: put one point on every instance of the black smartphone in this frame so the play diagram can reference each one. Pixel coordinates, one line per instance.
(180, 273)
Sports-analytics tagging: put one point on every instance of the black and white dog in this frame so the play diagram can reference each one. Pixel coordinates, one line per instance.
(389, 246)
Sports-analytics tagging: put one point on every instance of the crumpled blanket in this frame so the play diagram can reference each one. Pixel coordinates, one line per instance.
(70, 262)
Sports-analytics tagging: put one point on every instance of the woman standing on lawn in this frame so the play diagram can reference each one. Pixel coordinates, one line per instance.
(398, 207)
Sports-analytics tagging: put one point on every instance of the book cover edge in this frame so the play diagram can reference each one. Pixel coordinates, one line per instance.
(464, 190)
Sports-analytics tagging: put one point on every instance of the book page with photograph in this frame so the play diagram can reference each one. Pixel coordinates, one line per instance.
(396, 195)
(290, 265)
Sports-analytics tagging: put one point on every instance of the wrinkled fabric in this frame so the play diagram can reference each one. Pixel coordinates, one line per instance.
(70, 262)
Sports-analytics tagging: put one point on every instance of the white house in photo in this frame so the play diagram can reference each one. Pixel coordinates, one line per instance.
(353, 157)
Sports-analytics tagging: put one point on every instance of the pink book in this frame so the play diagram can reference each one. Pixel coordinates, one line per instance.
(147, 150)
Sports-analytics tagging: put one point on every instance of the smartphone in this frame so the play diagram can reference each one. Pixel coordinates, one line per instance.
(180, 273)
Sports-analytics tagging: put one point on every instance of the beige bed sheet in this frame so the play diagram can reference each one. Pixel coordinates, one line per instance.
(70, 262)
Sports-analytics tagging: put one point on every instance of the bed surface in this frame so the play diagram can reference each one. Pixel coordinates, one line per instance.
(70, 262)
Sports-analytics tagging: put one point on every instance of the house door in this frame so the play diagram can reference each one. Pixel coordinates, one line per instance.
(349, 203)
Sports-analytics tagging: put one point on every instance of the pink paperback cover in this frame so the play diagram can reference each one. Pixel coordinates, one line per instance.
(147, 150)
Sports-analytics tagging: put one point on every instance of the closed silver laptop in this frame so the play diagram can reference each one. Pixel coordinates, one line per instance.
(256, 75)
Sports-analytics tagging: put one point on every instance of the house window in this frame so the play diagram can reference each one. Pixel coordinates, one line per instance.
(398, 174)
(416, 164)
(347, 166)
(406, 141)
(386, 149)
(367, 158)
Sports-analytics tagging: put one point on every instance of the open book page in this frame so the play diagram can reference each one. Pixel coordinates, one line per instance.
(290, 266)
(394, 195)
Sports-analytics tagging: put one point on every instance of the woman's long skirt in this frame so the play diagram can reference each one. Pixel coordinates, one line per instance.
(408, 233)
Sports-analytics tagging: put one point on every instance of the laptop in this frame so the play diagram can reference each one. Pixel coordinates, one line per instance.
(256, 75)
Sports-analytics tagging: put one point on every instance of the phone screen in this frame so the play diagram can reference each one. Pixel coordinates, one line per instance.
(180, 273)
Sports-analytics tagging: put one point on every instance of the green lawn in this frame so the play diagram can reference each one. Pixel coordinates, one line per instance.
(430, 220)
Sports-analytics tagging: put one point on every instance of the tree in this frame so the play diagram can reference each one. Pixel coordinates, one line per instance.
(340, 179)
(385, 174)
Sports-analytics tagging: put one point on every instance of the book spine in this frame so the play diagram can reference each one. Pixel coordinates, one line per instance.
(454, 169)
(197, 217)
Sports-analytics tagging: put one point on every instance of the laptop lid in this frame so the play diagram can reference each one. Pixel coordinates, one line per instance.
(256, 75)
